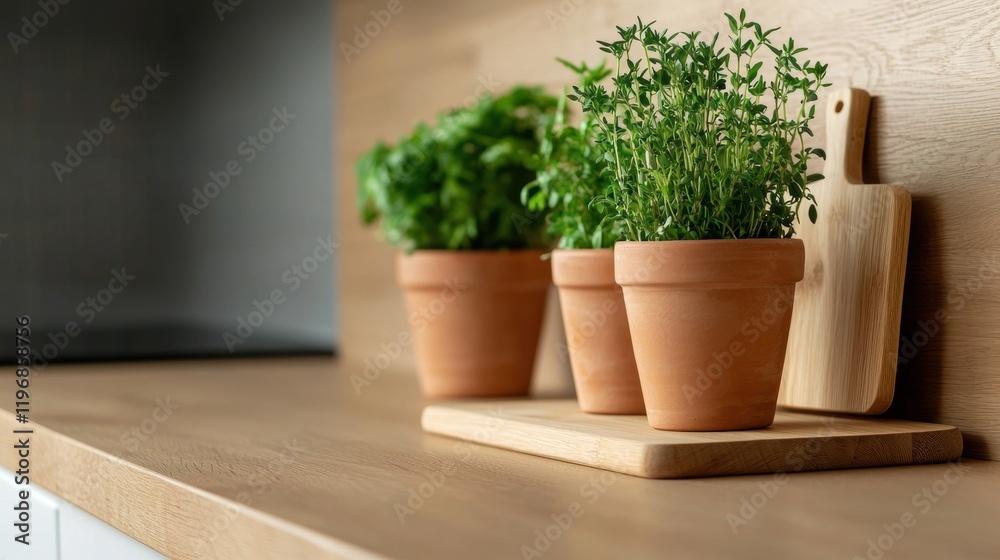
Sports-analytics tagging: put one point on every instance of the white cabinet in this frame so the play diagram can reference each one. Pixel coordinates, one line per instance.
(60, 530)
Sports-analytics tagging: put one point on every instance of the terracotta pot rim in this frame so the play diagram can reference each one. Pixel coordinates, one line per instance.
(707, 242)
(583, 268)
(588, 251)
(511, 269)
(482, 252)
(710, 263)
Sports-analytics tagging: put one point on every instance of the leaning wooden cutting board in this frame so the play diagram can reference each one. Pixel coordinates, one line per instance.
(842, 347)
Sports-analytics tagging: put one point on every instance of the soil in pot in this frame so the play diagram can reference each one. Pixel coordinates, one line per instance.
(597, 334)
(475, 317)
(709, 322)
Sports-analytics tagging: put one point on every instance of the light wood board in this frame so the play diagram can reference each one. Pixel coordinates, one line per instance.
(844, 335)
(558, 429)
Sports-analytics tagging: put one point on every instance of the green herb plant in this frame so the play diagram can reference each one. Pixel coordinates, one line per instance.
(569, 185)
(698, 143)
(456, 185)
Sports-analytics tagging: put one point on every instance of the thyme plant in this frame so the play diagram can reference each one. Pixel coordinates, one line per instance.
(456, 185)
(698, 143)
(569, 185)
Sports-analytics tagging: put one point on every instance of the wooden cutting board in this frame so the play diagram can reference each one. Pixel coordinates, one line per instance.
(797, 441)
(842, 347)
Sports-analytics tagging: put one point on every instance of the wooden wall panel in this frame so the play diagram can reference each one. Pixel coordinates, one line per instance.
(932, 65)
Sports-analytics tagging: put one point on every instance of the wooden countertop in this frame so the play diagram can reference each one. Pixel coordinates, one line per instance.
(282, 458)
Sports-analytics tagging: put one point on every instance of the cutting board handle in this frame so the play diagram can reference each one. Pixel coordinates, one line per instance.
(846, 120)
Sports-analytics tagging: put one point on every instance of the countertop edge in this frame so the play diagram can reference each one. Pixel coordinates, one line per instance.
(145, 505)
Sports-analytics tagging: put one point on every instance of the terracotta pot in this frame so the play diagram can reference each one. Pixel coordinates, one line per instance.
(709, 322)
(475, 318)
(600, 348)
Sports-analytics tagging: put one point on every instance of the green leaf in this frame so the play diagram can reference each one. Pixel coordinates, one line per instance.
(733, 26)
(571, 66)
(596, 238)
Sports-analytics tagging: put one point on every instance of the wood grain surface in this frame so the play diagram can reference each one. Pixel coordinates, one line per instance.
(558, 429)
(844, 336)
(932, 67)
(285, 458)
